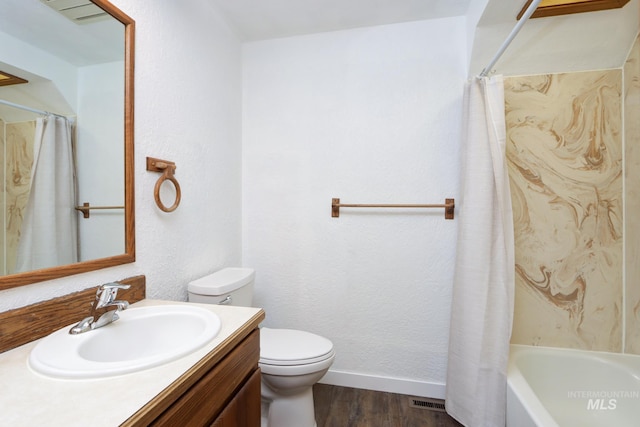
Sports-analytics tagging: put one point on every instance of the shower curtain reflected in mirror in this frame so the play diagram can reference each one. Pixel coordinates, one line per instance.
(48, 235)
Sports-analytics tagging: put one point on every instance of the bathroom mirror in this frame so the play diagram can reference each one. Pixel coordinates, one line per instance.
(51, 29)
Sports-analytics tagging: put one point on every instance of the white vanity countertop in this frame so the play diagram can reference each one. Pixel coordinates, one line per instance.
(29, 399)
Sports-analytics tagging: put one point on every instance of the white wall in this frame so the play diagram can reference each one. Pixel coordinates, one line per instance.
(474, 14)
(187, 110)
(100, 155)
(41, 65)
(576, 42)
(367, 115)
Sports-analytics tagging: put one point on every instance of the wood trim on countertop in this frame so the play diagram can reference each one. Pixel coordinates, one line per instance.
(26, 324)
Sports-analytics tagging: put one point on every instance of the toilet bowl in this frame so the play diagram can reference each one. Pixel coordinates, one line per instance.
(291, 361)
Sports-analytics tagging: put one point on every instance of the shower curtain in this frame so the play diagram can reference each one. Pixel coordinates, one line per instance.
(48, 236)
(483, 289)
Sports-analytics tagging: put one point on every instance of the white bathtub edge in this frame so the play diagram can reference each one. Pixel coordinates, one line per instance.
(519, 414)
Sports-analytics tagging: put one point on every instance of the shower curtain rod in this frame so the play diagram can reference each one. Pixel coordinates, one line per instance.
(33, 110)
(532, 7)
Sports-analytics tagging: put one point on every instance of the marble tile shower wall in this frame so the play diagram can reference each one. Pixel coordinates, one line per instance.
(631, 91)
(565, 154)
(16, 161)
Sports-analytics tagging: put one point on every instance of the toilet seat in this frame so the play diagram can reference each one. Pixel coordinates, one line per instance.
(297, 370)
(290, 347)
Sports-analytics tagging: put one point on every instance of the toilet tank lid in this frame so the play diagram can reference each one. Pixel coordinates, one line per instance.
(222, 281)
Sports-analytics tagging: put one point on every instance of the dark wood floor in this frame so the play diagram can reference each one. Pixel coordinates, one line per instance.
(352, 407)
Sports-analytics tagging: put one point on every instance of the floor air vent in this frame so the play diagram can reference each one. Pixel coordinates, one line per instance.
(425, 403)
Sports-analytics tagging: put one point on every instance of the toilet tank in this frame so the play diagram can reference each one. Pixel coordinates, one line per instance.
(230, 286)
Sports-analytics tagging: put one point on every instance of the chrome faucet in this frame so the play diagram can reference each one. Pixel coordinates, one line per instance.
(105, 298)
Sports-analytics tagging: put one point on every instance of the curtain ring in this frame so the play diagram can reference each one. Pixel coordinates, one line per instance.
(167, 175)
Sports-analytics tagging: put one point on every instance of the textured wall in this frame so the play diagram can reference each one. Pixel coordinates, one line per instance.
(632, 198)
(367, 115)
(565, 161)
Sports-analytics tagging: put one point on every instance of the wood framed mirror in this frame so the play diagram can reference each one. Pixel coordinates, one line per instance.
(120, 170)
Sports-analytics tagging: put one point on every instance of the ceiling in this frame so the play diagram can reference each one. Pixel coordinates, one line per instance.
(582, 41)
(260, 19)
(38, 25)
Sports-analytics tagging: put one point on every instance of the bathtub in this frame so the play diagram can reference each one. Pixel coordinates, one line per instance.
(553, 387)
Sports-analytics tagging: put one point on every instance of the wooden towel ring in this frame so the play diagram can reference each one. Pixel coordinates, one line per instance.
(168, 170)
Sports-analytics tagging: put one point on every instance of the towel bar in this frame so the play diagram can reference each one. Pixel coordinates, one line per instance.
(86, 208)
(449, 206)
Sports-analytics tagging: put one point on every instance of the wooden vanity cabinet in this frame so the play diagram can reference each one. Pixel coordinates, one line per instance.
(223, 390)
(236, 412)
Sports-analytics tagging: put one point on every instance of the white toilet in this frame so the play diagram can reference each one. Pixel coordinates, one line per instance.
(291, 361)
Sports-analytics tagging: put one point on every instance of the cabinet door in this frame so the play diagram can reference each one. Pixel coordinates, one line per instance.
(244, 408)
(206, 399)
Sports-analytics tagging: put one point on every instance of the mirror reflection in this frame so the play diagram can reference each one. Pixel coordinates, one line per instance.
(62, 131)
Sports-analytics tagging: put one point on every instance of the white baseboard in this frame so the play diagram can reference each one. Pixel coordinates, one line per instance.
(386, 384)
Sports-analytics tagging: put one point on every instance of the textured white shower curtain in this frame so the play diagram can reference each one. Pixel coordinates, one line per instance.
(483, 290)
(48, 236)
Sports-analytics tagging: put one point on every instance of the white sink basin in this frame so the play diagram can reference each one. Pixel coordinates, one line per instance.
(142, 338)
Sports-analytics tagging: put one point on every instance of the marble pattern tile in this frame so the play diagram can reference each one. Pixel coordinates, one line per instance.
(18, 163)
(631, 93)
(564, 152)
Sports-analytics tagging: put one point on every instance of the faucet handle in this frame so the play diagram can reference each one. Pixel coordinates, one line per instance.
(106, 294)
(114, 285)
